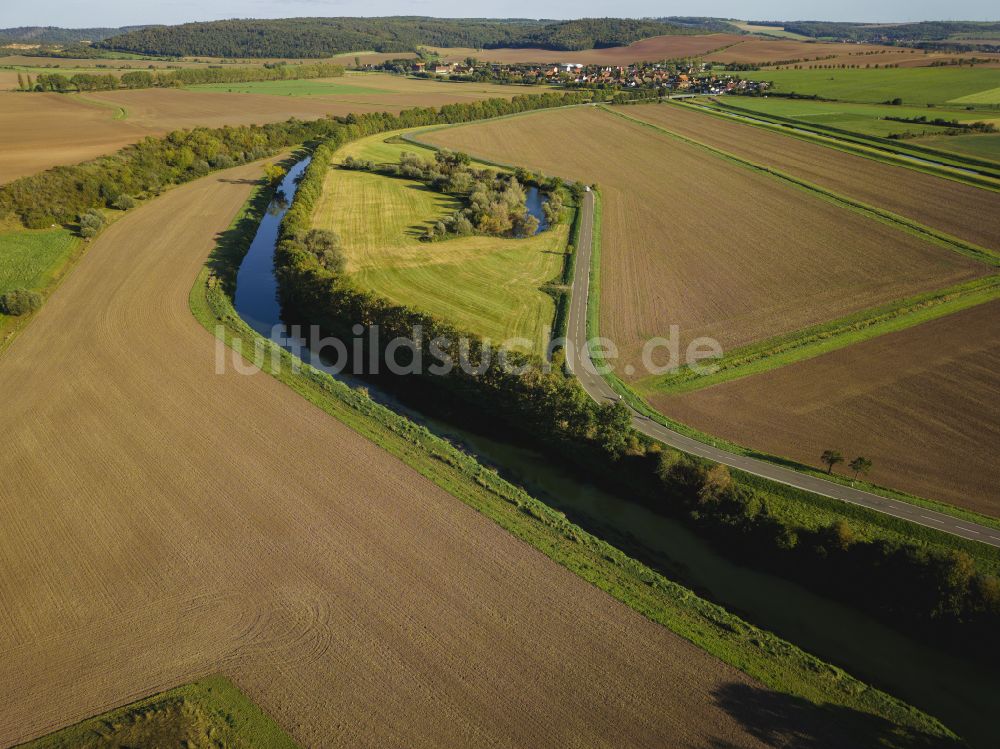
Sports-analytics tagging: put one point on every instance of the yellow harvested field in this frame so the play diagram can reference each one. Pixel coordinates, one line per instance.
(162, 522)
(921, 404)
(46, 130)
(967, 212)
(693, 240)
(754, 50)
(652, 49)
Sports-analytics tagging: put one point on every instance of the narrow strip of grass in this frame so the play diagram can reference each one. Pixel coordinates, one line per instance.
(829, 336)
(860, 145)
(982, 254)
(775, 662)
(207, 712)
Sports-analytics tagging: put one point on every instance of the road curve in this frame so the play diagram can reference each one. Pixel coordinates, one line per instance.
(599, 389)
(161, 522)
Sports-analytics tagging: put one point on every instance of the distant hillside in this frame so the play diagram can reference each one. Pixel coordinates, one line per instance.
(55, 35)
(901, 33)
(321, 37)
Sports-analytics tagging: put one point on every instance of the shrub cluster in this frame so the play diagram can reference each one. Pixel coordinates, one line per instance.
(20, 302)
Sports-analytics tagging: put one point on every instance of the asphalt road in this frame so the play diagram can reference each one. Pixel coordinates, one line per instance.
(600, 390)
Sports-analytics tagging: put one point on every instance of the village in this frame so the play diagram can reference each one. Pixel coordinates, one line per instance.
(683, 76)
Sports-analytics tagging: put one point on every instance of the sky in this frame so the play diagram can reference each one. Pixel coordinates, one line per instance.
(92, 13)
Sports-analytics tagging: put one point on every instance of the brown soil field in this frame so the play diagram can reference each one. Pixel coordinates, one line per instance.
(921, 403)
(692, 240)
(163, 522)
(772, 50)
(967, 212)
(46, 130)
(652, 49)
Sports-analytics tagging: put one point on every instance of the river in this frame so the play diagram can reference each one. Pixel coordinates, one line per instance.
(963, 696)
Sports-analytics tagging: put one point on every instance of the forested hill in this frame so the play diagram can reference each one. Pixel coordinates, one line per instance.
(56, 35)
(321, 37)
(891, 33)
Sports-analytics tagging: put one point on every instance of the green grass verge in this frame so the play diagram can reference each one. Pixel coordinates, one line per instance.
(829, 336)
(210, 712)
(878, 718)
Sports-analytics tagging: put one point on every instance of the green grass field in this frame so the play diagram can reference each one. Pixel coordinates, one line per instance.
(980, 146)
(865, 119)
(915, 86)
(30, 259)
(207, 713)
(308, 87)
(486, 285)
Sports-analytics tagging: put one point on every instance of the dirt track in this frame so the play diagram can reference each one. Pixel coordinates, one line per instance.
(963, 211)
(162, 522)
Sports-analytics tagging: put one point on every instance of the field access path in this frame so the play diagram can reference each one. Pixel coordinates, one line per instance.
(162, 522)
(599, 389)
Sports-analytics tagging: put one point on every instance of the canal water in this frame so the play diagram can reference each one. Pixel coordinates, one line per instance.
(963, 696)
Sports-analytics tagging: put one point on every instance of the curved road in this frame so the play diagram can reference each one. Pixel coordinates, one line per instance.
(598, 389)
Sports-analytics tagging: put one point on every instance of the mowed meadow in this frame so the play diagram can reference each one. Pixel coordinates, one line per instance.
(694, 240)
(922, 402)
(46, 130)
(489, 286)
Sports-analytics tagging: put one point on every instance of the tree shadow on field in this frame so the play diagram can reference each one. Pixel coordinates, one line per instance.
(783, 720)
(243, 181)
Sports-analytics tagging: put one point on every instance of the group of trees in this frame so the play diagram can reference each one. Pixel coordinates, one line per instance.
(859, 465)
(931, 593)
(19, 302)
(175, 78)
(322, 37)
(495, 202)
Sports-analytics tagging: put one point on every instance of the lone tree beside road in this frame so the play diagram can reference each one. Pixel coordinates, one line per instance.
(831, 458)
(860, 465)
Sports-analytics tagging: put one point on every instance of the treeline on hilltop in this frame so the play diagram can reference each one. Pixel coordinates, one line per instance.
(322, 37)
(57, 35)
(175, 78)
(905, 32)
(936, 595)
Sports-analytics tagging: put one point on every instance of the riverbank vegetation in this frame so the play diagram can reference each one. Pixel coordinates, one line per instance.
(958, 601)
(866, 715)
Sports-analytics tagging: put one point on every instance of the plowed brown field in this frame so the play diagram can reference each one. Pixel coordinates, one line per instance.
(693, 240)
(45, 130)
(921, 403)
(773, 50)
(162, 522)
(970, 213)
(652, 49)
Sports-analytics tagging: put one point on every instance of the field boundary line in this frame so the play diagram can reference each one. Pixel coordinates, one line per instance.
(982, 254)
(773, 661)
(867, 150)
(816, 340)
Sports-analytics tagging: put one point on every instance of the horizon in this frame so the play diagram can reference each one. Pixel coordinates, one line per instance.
(117, 14)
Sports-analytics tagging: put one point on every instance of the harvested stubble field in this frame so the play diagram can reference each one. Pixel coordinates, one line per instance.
(655, 48)
(774, 50)
(921, 403)
(966, 212)
(694, 240)
(163, 522)
(46, 130)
